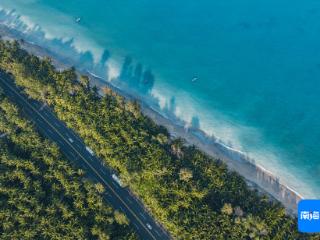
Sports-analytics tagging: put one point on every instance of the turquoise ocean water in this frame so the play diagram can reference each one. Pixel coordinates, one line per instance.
(256, 64)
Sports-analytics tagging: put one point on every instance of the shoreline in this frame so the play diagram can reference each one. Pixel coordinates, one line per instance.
(256, 176)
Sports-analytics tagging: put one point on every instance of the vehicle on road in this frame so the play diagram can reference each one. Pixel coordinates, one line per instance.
(90, 151)
(149, 226)
(117, 179)
(70, 140)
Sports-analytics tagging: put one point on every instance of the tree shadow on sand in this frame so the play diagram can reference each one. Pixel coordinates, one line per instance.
(136, 76)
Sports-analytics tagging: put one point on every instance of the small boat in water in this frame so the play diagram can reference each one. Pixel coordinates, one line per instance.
(194, 79)
(78, 20)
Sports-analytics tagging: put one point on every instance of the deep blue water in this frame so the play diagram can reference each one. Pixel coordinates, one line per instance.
(257, 65)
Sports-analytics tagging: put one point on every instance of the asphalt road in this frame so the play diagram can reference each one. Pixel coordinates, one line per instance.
(74, 149)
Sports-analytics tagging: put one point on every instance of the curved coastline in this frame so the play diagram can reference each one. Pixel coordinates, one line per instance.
(256, 176)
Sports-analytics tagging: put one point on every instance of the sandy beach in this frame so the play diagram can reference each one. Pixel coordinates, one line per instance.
(256, 176)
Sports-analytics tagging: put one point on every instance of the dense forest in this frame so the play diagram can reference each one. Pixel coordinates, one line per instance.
(42, 196)
(191, 194)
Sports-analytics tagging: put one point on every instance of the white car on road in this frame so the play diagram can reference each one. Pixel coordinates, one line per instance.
(90, 151)
(149, 226)
(117, 179)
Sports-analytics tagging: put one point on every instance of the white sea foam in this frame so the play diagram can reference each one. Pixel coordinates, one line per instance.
(113, 69)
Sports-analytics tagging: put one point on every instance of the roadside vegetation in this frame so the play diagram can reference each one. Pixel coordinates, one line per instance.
(191, 194)
(42, 196)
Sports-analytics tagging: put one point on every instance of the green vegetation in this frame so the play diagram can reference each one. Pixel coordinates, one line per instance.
(41, 195)
(193, 195)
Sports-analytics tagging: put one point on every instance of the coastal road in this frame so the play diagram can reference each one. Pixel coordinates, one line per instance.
(74, 149)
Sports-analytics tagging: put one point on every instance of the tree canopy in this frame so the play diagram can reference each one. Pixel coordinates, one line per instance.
(43, 196)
